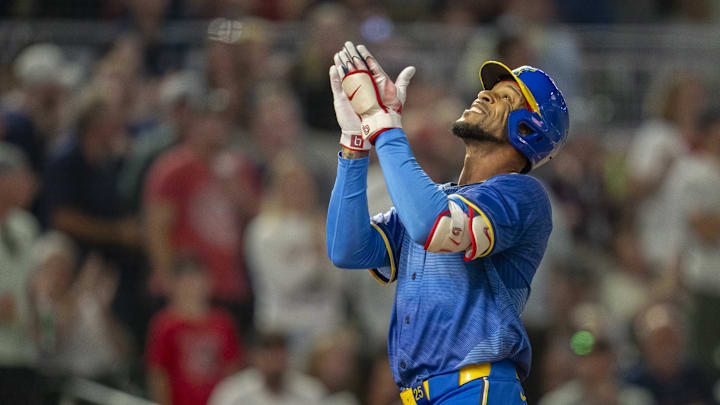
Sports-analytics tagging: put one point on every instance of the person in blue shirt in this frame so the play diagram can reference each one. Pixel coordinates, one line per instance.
(463, 255)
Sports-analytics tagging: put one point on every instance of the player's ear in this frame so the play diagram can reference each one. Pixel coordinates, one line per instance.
(524, 130)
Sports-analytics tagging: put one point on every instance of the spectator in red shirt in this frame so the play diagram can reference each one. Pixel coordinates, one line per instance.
(191, 346)
(191, 205)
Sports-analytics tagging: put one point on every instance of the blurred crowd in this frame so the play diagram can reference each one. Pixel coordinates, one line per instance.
(162, 208)
(448, 11)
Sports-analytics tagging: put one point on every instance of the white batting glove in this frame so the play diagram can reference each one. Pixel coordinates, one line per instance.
(373, 96)
(351, 136)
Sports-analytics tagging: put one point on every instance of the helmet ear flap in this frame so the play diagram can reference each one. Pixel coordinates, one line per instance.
(527, 133)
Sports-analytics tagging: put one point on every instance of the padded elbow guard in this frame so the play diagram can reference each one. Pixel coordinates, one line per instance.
(463, 227)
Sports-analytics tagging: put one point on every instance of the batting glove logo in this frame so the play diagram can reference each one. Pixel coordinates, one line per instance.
(356, 141)
(366, 129)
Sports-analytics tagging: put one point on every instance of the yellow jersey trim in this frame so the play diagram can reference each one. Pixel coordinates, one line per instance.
(393, 271)
(487, 222)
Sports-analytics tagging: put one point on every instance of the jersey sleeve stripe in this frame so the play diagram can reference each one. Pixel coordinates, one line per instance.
(393, 271)
(472, 234)
(491, 233)
(378, 276)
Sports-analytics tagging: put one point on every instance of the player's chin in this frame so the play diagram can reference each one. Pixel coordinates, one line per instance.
(473, 131)
(463, 128)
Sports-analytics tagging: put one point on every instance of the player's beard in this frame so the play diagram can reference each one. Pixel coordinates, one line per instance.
(467, 131)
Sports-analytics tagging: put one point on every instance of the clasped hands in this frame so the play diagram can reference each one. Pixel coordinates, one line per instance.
(366, 101)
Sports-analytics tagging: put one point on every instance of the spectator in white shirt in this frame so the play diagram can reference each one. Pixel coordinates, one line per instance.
(18, 231)
(692, 204)
(658, 144)
(298, 290)
(270, 380)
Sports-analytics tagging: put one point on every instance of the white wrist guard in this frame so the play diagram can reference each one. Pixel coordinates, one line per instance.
(373, 125)
(354, 141)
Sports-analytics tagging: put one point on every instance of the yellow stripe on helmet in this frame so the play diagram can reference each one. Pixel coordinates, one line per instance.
(534, 107)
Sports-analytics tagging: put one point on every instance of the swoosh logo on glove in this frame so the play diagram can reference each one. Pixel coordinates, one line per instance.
(350, 97)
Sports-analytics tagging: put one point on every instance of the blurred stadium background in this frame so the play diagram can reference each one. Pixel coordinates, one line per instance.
(165, 166)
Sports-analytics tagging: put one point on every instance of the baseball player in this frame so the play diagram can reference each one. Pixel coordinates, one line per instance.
(463, 254)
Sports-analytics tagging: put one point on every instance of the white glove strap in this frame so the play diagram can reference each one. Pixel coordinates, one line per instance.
(374, 124)
(354, 141)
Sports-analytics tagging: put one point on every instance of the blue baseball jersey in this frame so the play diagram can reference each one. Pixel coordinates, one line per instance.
(450, 312)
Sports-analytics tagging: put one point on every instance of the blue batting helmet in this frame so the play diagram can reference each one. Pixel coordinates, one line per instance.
(546, 115)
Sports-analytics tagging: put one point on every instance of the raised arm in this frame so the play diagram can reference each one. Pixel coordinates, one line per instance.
(379, 101)
(417, 199)
(352, 242)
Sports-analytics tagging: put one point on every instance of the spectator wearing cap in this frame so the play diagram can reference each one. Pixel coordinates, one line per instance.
(665, 370)
(18, 231)
(34, 109)
(33, 117)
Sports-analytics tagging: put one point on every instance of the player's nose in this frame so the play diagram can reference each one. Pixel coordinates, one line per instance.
(485, 96)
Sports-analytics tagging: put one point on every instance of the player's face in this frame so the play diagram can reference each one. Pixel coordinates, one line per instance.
(490, 110)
